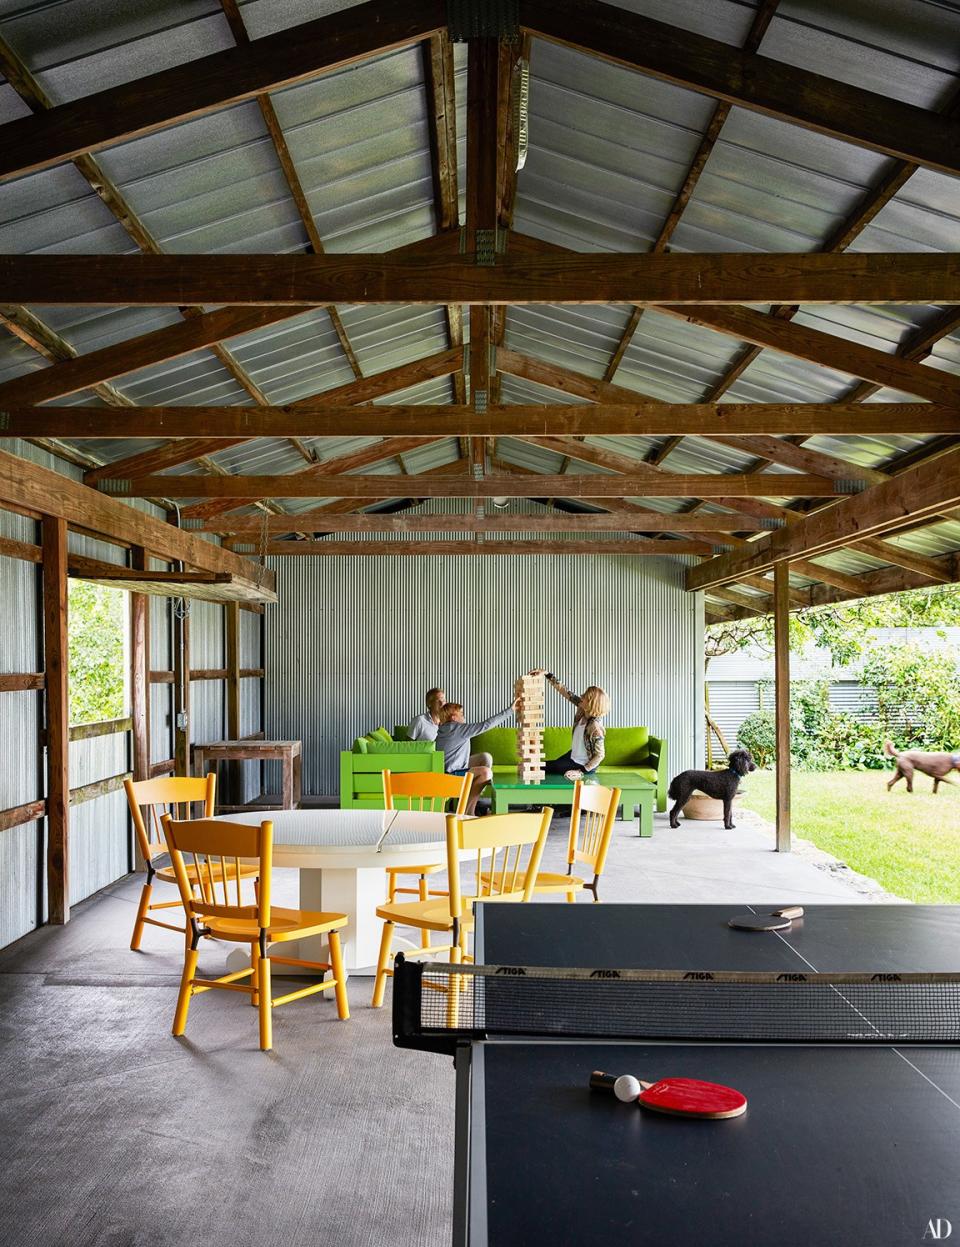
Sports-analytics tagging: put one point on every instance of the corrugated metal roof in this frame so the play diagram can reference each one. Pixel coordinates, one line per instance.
(609, 149)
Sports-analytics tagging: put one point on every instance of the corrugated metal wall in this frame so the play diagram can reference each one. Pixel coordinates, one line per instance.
(21, 780)
(355, 643)
(732, 700)
(99, 829)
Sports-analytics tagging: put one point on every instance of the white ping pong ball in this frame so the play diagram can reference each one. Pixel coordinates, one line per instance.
(626, 1088)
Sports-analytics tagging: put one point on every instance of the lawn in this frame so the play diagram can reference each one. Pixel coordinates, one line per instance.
(909, 842)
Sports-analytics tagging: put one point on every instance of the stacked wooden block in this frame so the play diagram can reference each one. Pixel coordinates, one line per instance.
(530, 690)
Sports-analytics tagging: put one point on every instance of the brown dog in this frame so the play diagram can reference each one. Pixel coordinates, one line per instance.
(937, 765)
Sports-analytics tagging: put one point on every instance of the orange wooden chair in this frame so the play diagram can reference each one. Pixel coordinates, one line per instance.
(512, 844)
(169, 795)
(424, 791)
(215, 849)
(591, 825)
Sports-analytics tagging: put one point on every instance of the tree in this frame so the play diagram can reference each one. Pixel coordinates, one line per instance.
(97, 639)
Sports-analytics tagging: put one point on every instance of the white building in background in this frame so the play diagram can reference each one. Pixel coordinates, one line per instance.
(738, 684)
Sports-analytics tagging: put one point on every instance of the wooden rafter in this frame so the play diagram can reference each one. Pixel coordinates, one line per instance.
(758, 28)
(438, 72)
(238, 29)
(636, 547)
(758, 83)
(920, 492)
(212, 82)
(258, 422)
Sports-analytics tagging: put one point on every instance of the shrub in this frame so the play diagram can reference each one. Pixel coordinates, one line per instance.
(758, 734)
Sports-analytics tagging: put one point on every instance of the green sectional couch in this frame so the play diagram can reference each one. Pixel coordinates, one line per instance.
(627, 749)
(361, 768)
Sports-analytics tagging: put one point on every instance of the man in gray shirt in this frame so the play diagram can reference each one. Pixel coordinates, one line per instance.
(454, 736)
(424, 726)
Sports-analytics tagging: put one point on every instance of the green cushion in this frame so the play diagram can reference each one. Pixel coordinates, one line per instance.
(625, 746)
(556, 740)
(403, 746)
(499, 742)
(401, 731)
(380, 733)
(360, 745)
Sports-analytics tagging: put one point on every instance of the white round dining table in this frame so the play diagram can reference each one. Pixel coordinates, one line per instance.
(341, 856)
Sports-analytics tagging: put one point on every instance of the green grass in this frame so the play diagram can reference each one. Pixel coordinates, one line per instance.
(908, 842)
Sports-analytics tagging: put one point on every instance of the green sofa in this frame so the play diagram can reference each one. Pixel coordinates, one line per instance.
(361, 782)
(627, 749)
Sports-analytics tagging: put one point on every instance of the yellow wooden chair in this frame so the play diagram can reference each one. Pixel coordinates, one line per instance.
(591, 825)
(215, 848)
(424, 791)
(170, 794)
(511, 843)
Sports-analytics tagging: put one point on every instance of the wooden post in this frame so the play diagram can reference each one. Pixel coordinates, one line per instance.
(139, 684)
(181, 688)
(232, 627)
(781, 660)
(56, 663)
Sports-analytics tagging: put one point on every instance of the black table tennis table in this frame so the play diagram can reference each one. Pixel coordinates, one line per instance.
(841, 1143)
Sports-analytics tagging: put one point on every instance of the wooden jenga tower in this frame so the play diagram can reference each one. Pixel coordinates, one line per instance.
(530, 689)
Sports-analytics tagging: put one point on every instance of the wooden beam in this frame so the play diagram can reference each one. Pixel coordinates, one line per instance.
(207, 83)
(554, 522)
(571, 278)
(732, 423)
(483, 98)
(824, 349)
(191, 447)
(25, 484)
(182, 729)
(802, 459)
(758, 83)
(56, 664)
(22, 681)
(316, 485)
(916, 494)
(781, 662)
(155, 347)
(353, 549)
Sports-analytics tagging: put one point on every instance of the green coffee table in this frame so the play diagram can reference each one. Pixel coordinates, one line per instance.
(556, 790)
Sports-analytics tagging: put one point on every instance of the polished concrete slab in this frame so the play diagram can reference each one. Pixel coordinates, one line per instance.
(115, 1134)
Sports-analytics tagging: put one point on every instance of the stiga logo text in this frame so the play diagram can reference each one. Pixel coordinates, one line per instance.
(699, 975)
(604, 974)
(511, 970)
(938, 1228)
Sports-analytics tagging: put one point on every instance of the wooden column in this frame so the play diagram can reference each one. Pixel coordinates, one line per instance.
(56, 658)
(232, 628)
(781, 661)
(181, 688)
(139, 683)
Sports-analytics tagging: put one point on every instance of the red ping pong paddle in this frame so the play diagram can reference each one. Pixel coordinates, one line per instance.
(682, 1097)
(689, 1097)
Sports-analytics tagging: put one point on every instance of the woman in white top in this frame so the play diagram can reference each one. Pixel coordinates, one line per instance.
(587, 747)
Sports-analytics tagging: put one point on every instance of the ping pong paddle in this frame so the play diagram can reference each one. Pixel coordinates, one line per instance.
(777, 920)
(682, 1097)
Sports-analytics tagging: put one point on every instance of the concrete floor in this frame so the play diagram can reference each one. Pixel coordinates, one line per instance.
(115, 1134)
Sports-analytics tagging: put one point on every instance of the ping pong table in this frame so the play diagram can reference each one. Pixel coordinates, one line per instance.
(842, 1143)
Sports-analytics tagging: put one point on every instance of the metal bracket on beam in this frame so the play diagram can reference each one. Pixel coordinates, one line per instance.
(851, 485)
(483, 19)
(114, 485)
(486, 247)
(770, 521)
(480, 400)
(191, 521)
(4, 419)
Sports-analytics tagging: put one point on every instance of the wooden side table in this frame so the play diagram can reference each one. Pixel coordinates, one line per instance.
(287, 752)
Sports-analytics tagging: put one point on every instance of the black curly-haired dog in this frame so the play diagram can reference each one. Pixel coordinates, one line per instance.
(722, 785)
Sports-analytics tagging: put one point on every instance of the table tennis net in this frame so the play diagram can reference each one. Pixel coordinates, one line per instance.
(437, 1005)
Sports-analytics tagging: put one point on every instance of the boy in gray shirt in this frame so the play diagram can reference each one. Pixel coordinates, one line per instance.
(453, 738)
